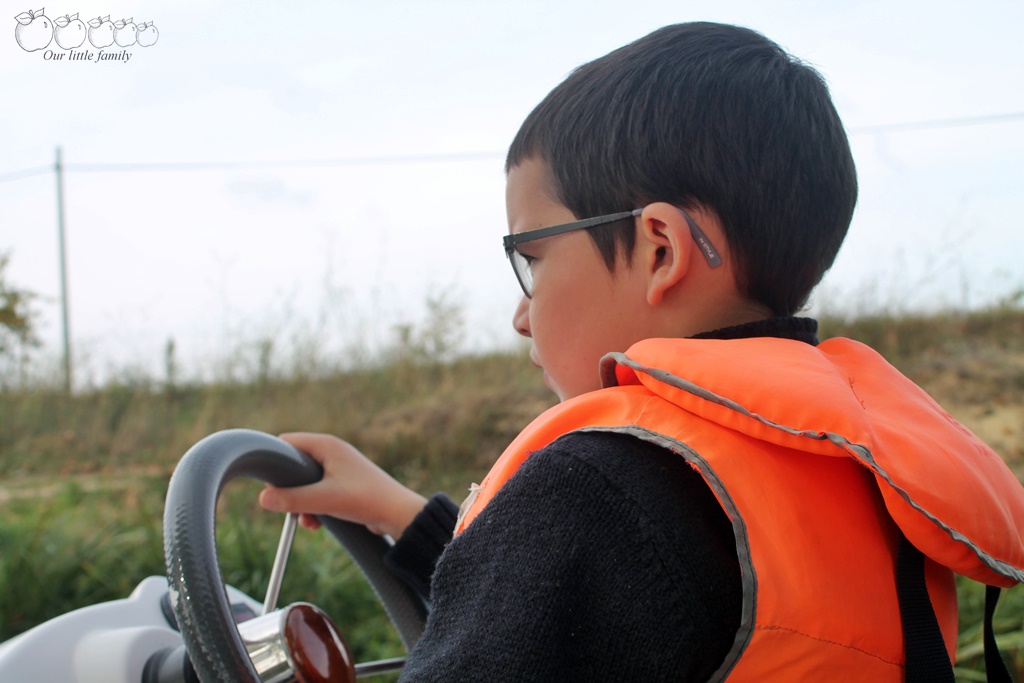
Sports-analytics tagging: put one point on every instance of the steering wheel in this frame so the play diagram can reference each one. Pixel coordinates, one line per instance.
(197, 591)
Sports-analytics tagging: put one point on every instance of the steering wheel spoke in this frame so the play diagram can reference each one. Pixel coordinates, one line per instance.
(284, 547)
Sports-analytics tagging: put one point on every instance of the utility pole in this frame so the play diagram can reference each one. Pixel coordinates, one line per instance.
(59, 168)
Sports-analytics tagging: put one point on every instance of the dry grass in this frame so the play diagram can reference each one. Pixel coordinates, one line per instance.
(438, 423)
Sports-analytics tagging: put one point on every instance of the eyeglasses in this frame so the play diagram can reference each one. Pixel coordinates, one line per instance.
(521, 262)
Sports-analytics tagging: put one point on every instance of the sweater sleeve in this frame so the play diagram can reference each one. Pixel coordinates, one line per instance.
(603, 558)
(415, 554)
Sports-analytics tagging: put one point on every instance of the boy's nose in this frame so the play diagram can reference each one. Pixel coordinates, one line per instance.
(521, 318)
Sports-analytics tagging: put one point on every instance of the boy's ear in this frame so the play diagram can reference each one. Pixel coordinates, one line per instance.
(664, 249)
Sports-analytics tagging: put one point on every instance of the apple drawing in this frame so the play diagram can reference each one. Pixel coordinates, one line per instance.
(34, 30)
(147, 34)
(125, 32)
(101, 32)
(69, 32)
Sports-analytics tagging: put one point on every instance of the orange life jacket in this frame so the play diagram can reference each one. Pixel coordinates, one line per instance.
(819, 456)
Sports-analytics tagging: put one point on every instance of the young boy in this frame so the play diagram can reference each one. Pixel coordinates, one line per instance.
(718, 494)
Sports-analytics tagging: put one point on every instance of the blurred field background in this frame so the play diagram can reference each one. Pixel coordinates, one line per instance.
(82, 476)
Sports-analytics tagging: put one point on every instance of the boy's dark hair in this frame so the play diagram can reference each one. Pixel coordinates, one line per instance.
(705, 115)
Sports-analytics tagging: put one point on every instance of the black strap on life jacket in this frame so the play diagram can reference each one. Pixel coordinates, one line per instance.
(927, 659)
(995, 666)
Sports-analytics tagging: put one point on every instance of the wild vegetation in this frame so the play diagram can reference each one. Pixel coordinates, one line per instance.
(82, 477)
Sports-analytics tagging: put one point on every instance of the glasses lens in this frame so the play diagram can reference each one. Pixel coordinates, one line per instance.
(523, 272)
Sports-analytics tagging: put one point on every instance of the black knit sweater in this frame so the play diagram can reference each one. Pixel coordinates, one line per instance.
(603, 558)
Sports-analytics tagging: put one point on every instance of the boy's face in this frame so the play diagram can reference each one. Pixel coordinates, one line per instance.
(579, 310)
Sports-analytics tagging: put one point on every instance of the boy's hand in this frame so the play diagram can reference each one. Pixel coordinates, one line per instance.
(353, 488)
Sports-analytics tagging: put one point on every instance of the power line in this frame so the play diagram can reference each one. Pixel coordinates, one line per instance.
(264, 164)
(435, 158)
(297, 163)
(938, 123)
(26, 173)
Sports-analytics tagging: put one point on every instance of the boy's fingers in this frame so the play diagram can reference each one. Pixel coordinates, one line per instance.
(281, 500)
(305, 442)
(271, 499)
(297, 499)
(309, 522)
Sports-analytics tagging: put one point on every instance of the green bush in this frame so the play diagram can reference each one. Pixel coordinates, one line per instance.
(79, 548)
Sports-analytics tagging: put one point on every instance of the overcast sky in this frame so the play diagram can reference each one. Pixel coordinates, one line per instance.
(412, 105)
